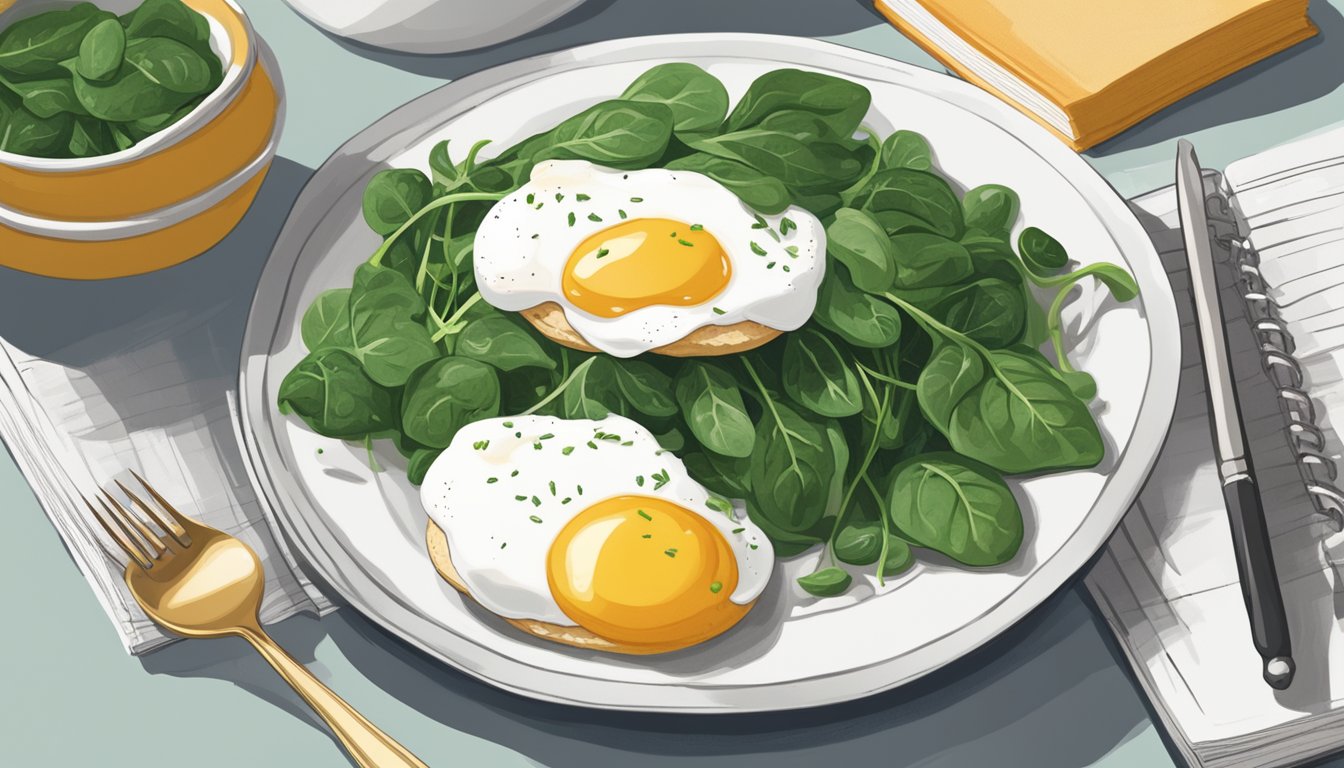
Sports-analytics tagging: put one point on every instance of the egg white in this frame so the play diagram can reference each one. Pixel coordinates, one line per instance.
(497, 547)
(522, 247)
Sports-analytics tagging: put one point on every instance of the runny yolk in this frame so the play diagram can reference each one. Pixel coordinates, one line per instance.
(642, 262)
(645, 572)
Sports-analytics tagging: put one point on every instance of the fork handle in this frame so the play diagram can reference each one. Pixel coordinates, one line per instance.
(369, 746)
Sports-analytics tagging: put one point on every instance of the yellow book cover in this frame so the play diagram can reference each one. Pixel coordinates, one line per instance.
(1088, 70)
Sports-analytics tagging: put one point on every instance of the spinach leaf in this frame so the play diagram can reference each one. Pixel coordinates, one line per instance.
(446, 394)
(37, 44)
(725, 475)
(900, 222)
(840, 102)
(920, 194)
(712, 406)
(388, 338)
(791, 469)
(899, 557)
(817, 377)
(102, 50)
(958, 507)
(168, 18)
(897, 427)
(929, 261)
(331, 393)
(647, 389)
(158, 75)
(859, 542)
(48, 98)
(616, 133)
(950, 374)
(24, 133)
(697, 99)
(788, 543)
(89, 137)
(989, 310)
(593, 391)
(827, 582)
(417, 466)
(906, 149)
(1042, 253)
(326, 324)
(797, 163)
(762, 193)
(860, 243)
(991, 208)
(853, 315)
(501, 343)
(393, 196)
(1023, 417)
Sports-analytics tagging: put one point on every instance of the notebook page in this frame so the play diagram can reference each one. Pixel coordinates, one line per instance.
(1167, 582)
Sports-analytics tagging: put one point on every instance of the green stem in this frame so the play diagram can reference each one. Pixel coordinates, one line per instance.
(863, 468)
(423, 270)
(888, 379)
(556, 392)
(1053, 327)
(449, 326)
(849, 194)
(462, 197)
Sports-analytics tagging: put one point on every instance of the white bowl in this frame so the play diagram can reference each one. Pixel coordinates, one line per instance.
(431, 26)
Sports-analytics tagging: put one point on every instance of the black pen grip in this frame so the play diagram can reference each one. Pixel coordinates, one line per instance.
(1259, 580)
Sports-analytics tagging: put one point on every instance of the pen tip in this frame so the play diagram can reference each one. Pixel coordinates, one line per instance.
(1279, 672)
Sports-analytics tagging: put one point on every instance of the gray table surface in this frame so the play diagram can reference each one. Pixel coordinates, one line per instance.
(1051, 692)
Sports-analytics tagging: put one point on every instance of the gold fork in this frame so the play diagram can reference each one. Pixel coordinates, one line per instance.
(201, 582)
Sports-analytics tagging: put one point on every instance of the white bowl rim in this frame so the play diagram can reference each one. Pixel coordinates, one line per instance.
(207, 110)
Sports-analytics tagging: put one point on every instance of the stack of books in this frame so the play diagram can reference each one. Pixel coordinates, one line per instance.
(1089, 69)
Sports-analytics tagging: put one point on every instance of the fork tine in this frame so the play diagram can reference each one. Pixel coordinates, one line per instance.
(156, 546)
(119, 535)
(182, 519)
(170, 524)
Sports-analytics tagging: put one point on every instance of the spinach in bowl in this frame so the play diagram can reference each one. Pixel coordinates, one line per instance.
(83, 82)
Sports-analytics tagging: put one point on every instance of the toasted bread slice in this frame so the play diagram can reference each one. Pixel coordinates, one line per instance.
(707, 341)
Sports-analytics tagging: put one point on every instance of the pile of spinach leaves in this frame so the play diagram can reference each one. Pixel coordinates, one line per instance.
(886, 423)
(83, 82)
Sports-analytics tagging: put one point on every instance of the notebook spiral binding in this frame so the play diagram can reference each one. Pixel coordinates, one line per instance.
(1277, 357)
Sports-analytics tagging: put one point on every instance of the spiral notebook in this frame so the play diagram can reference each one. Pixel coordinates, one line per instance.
(1167, 582)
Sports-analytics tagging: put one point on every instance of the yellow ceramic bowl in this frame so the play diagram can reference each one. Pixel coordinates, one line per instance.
(162, 201)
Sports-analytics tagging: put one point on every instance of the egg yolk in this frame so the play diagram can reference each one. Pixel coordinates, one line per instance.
(642, 262)
(644, 572)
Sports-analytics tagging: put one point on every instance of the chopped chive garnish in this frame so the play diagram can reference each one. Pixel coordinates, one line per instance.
(538, 206)
(786, 224)
(792, 250)
(718, 505)
(520, 498)
(508, 424)
(771, 265)
(559, 197)
(503, 544)
(601, 252)
(754, 546)
(568, 449)
(594, 217)
(566, 500)
(536, 446)
(661, 478)
(716, 587)
(514, 473)
(534, 237)
(536, 502)
(674, 234)
(572, 218)
(534, 518)
(592, 445)
(760, 223)
(531, 198)
(491, 480)
(580, 489)
(621, 212)
(582, 198)
(636, 199)
(628, 442)
(552, 484)
(547, 436)
(738, 530)
(517, 434)
(686, 243)
(639, 480)
(786, 268)
(718, 311)
(481, 445)
(647, 536)
(697, 227)
(670, 552)
(756, 249)
(645, 515)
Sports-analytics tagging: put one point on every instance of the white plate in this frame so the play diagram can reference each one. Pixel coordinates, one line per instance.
(362, 532)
